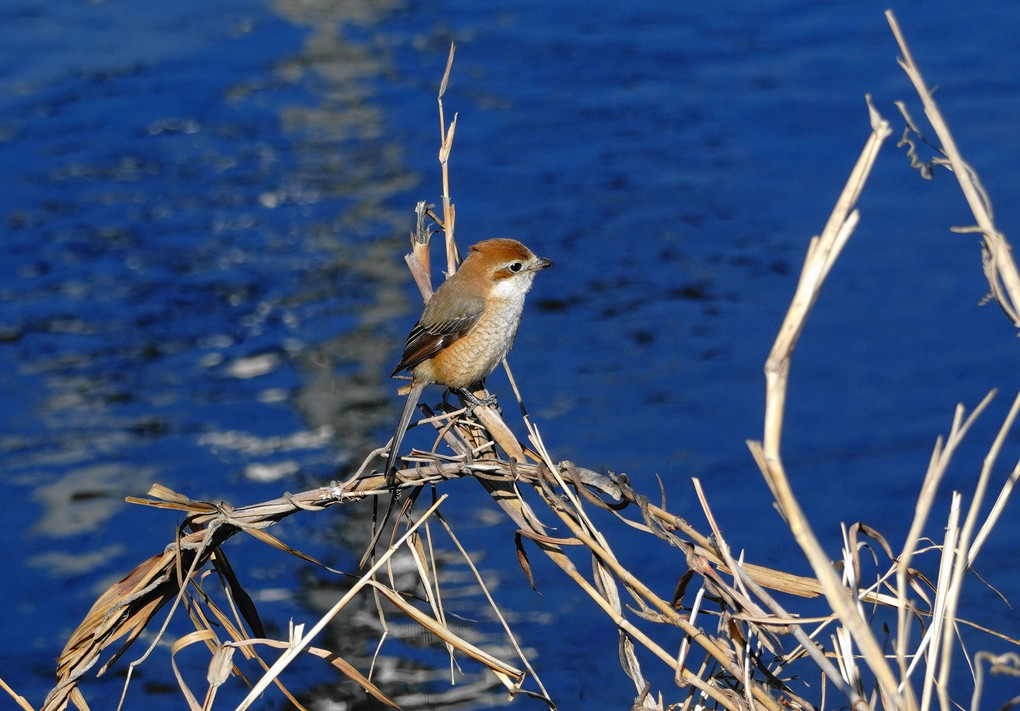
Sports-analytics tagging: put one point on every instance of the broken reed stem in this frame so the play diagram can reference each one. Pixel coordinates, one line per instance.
(419, 261)
(925, 500)
(1000, 500)
(936, 470)
(506, 493)
(822, 254)
(997, 249)
(959, 553)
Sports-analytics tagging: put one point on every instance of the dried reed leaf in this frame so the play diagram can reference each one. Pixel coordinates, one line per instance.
(275, 542)
(446, 74)
(169, 499)
(221, 666)
(522, 560)
(183, 643)
(239, 596)
(342, 665)
(123, 610)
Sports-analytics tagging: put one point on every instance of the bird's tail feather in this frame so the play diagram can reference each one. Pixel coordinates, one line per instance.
(414, 394)
(398, 435)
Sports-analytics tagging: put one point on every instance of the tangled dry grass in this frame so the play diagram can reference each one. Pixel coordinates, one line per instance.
(734, 619)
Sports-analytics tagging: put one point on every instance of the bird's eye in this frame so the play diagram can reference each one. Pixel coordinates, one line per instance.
(515, 266)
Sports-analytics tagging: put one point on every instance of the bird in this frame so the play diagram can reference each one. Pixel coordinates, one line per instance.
(467, 327)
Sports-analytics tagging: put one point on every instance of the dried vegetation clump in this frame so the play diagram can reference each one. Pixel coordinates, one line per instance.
(888, 639)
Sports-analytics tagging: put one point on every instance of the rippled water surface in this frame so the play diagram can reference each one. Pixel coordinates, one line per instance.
(204, 209)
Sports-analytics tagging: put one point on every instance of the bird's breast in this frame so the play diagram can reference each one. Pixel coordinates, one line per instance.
(469, 359)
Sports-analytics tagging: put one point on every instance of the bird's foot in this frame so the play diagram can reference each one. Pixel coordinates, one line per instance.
(475, 401)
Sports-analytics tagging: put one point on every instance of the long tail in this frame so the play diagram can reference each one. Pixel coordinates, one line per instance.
(398, 436)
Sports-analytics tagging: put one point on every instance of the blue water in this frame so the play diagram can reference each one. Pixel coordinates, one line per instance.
(204, 209)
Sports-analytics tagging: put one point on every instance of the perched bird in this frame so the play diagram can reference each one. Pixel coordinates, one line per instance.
(468, 326)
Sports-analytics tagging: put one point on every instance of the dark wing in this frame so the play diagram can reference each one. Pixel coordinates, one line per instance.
(434, 333)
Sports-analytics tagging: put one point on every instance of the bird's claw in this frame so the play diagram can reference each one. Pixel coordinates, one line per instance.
(475, 401)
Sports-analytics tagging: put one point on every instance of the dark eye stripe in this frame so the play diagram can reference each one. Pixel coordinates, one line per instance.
(507, 272)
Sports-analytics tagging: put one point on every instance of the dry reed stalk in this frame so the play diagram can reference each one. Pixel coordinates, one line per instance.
(446, 145)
